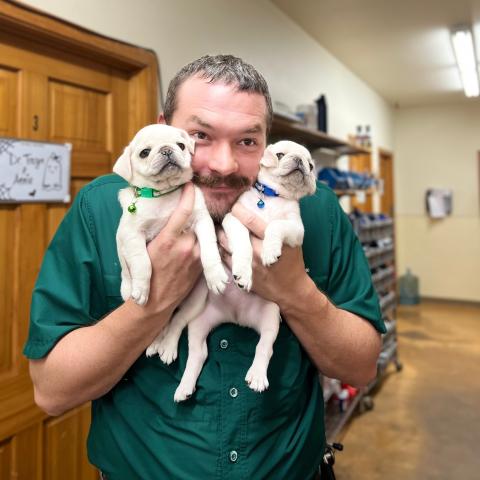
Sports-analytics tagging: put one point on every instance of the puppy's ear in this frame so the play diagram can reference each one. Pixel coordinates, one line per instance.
(269, 158)
(123, 165)
(189, 142)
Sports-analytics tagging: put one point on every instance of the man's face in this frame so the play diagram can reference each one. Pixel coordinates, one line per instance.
(229, 128)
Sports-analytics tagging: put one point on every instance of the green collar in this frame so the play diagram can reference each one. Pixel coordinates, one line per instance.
(147, 192)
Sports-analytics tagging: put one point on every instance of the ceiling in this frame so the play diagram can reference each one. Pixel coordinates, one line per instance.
(401, 48)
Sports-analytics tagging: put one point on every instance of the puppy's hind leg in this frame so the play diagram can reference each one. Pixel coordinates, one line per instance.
(198, 330)
(268, 327)
(166, 344)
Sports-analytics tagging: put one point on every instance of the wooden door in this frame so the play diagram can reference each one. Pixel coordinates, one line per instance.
(362, 164)
(386, 176)
(95, 102)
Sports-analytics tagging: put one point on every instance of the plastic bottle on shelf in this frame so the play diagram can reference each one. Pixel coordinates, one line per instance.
(322, 114)
(367, 138)
(359, 136)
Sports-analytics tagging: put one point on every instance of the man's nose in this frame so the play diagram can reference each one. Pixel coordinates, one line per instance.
(222, 160)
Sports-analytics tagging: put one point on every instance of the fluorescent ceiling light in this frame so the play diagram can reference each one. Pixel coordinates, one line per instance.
(462, 40)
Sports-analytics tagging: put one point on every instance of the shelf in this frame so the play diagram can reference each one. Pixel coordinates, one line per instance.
(312, 139)
(336, 420)
(340, 193)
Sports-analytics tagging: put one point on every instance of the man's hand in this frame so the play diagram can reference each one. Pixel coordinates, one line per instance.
(281, 282)
(175, 257)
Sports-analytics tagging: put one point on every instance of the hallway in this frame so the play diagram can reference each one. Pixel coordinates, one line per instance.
(426, 421)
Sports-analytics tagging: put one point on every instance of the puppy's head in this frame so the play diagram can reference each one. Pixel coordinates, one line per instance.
(159, 156)
(288, 168)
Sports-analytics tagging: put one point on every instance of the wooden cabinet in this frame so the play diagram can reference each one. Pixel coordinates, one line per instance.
(61, 84)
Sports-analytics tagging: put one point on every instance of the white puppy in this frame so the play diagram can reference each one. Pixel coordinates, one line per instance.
(286, 174)
(157, 163)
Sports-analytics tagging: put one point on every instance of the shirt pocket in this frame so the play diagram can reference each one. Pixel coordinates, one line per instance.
(113, 299)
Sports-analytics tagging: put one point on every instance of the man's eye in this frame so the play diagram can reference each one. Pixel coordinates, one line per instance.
(248, 142)
(145, 152)
(199, 135)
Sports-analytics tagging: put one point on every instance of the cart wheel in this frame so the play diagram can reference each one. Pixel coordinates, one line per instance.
(366, 404)
(398, 366)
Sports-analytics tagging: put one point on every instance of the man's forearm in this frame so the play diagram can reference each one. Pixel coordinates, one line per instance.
(89, 361)
(340, 344)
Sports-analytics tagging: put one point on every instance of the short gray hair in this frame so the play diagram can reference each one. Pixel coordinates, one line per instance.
(220, 68)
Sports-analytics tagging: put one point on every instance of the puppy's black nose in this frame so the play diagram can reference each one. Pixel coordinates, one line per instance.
(298, 161)
(166, 151)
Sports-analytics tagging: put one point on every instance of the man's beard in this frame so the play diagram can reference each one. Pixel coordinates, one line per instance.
(218, 208)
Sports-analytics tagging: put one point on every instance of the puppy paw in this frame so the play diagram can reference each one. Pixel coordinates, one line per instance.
(257, 379)
(242, 275)
(168, 349)
(152, 349)
(140, 294)
(216, 278)
(183, 392)
(271, 253)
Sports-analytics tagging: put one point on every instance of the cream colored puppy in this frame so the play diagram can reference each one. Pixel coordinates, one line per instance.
(286, 174)
(157, 163)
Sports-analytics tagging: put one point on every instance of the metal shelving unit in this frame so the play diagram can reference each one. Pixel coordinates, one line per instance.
(377, 240)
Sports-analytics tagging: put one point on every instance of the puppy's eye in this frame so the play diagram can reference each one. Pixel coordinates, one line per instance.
(181, 145)
(280, 155)
(311, 166)
(145, 152)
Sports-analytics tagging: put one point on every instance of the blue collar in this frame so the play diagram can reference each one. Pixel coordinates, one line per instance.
(269, 192)
(264, 191)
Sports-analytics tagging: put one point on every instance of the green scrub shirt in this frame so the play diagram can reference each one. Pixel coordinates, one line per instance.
(225, 431)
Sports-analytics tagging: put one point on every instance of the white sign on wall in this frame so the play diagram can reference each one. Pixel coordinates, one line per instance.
(34, 171)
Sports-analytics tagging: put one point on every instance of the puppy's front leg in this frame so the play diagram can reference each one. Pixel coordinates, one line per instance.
(133, 251)
(277, 233)
(213, 270)
(238, 238)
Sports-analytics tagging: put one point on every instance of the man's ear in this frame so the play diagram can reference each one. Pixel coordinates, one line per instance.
(161, 119)
(189, 141)
(269, 158)
(123, 165)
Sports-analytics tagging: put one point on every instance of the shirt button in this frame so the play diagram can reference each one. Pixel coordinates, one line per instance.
(223, 344)
(233, 456)
(233, 392)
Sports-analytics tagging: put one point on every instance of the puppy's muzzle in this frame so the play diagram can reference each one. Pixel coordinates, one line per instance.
(296, 165)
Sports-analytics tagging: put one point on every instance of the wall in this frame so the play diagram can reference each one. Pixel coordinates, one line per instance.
(296, 67)
(437, 146)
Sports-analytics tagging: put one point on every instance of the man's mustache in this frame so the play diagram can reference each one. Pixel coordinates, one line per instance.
(212, 181)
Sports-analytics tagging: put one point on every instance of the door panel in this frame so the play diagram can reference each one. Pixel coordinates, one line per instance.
(5, 458)
(7, 219)
(8, 100)
(61, 456)
(81, 116)
(27, 452)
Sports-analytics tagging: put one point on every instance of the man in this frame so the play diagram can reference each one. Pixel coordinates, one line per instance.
(225, 430)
